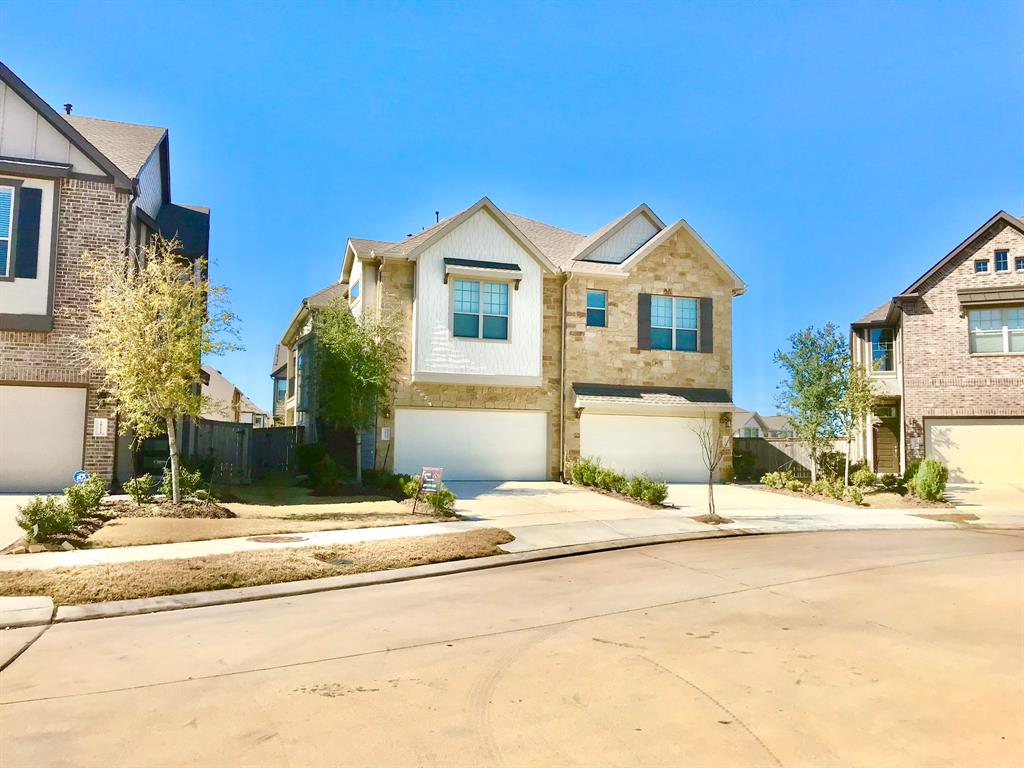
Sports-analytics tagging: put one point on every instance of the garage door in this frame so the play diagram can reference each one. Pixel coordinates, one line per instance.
(664, 447)
(42, 431)
(472, 445)
(977, 450)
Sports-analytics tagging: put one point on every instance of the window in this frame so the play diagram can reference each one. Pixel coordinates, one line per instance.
(1018, 263)
(6, 229)
(281, 389)
(353, 292)
(479, 310)
(999, 330)
(883, 356)
(673, 323)
(749, 432)
(1002, 261)
(597, 308)
(981, 265)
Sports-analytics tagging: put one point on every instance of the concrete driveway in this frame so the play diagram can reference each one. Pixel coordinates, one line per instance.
(9, 530)
(550, 514)
(897, 649)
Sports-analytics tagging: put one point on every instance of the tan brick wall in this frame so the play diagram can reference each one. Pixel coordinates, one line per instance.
(941, 377)
(610, 355)
(92, 217)
(395, 295)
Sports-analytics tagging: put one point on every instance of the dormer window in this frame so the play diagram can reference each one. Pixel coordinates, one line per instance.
(353, 292)
(980, 266)
(883, 357)
(480, 310)
(1002, 261)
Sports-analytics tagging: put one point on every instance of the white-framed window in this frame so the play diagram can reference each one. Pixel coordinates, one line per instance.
(883, 350)
(480, 310)
(997, 330)
(6, 229)
(674, 323)
(981, 265)
(749, 432)
(1002, 261)
(597, 308)
(1018, 263)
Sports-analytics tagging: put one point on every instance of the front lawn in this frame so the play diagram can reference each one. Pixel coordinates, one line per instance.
(151, 578)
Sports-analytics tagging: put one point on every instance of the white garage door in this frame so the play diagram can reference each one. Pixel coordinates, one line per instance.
(42, 432)
(664, 447)
(472, 445)
(977, 450)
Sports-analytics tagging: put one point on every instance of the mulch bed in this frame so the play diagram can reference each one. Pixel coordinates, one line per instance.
(625, 497)
(210, 510)
(905, 500)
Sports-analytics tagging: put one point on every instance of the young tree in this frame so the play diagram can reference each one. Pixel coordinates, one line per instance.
(356, 361)
(155, 316)
(857, 405)
(817, 368)
(714, 447)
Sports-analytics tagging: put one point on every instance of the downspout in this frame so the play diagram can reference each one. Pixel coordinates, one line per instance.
(561, 386)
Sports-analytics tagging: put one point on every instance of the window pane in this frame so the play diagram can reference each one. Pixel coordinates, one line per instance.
(496, 299)
(981, 266)
(467, 296)
(1017, 341)
(466, 325)
(661, 314)
(353, 292)
(661, 338)
(6, 208)
(597, 299)
(1019, 263)
(686, 313)
(596, 318)
(882, 358)
(3, 257)
(495, 327)
(1015, 318)
(686, 341)
(986, 319)
(986, 341)
(1002, 260)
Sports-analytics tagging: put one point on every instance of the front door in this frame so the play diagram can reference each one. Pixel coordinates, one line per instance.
(887, 447)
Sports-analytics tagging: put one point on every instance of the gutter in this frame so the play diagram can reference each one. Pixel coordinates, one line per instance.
(561, 387)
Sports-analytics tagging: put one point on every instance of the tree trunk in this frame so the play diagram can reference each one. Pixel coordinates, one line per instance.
(814, 466)
(172, 444)
(711, 494)
(846, 471)
(359, 457)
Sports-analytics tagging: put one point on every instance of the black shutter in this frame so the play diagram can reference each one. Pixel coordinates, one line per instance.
(643, 321)
(707, 326)
(26, 257)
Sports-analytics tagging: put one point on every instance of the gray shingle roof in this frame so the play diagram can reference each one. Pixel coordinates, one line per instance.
(877, 315)
(555, 243)
(325, 296)
(127, 145)
(610, 394)
(280, 358)
(364, 247)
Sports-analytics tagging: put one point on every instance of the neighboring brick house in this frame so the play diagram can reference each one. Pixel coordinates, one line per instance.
(67, 185)
(528, 346)
(947, 356)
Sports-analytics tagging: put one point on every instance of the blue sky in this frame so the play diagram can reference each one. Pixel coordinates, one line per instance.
(830, 152)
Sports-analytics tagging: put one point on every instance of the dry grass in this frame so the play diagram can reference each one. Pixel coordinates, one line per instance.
(130, 531)
(123, 581)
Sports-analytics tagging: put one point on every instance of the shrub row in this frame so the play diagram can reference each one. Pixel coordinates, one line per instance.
(924, 479)
(589, 472)
(46, 518)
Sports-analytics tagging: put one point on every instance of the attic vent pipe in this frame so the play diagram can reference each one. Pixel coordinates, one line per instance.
(67, 109)
(437, 216)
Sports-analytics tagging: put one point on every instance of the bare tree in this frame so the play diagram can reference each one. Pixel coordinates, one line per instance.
(714, 447)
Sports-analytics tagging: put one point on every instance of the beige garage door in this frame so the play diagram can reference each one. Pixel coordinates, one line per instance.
(977, 450)
(42, 433)
(664, 447)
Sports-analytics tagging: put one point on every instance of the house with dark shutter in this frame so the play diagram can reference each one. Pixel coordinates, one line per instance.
(528, 346)
(68, 185)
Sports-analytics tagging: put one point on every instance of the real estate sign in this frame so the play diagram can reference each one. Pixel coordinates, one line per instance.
(430, 480)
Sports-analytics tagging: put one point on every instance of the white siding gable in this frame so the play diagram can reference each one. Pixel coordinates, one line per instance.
(26, 135)
(439, 356)
(625, 241)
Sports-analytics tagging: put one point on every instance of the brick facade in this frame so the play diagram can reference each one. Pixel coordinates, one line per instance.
(92, 217)
(941, 376)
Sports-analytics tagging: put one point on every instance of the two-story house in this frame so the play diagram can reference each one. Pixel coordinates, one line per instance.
(529, 346)
(68, 185)
(947, 358)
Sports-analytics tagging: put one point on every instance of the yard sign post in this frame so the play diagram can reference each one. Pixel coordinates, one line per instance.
(430, 483)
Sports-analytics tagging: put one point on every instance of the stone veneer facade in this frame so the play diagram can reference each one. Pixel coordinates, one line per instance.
(607, 355)
(92, 216)
(941, 376)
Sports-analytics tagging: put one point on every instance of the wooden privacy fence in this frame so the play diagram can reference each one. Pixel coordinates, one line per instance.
(753, 456)
(237, 454)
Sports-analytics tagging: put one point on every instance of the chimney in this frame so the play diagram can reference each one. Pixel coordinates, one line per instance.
(67, 109)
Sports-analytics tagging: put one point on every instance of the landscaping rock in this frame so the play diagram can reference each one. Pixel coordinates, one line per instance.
(66, 546)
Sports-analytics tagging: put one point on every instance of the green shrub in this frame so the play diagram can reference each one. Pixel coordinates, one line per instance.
(84, 498)
(777, 479)
(610, 480)
(930, 480)
(140, 489)
(383, 480)
(324, 475)
(442, 502)
(586, 471)
(831, 464)
(828, 486)
(42, 519)
(308, 454)
(889, 482)
(410, 485)
(190, 483)
(856, 495)
(911, 471)
(864, 478)
(794, 485)
(649, 490)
